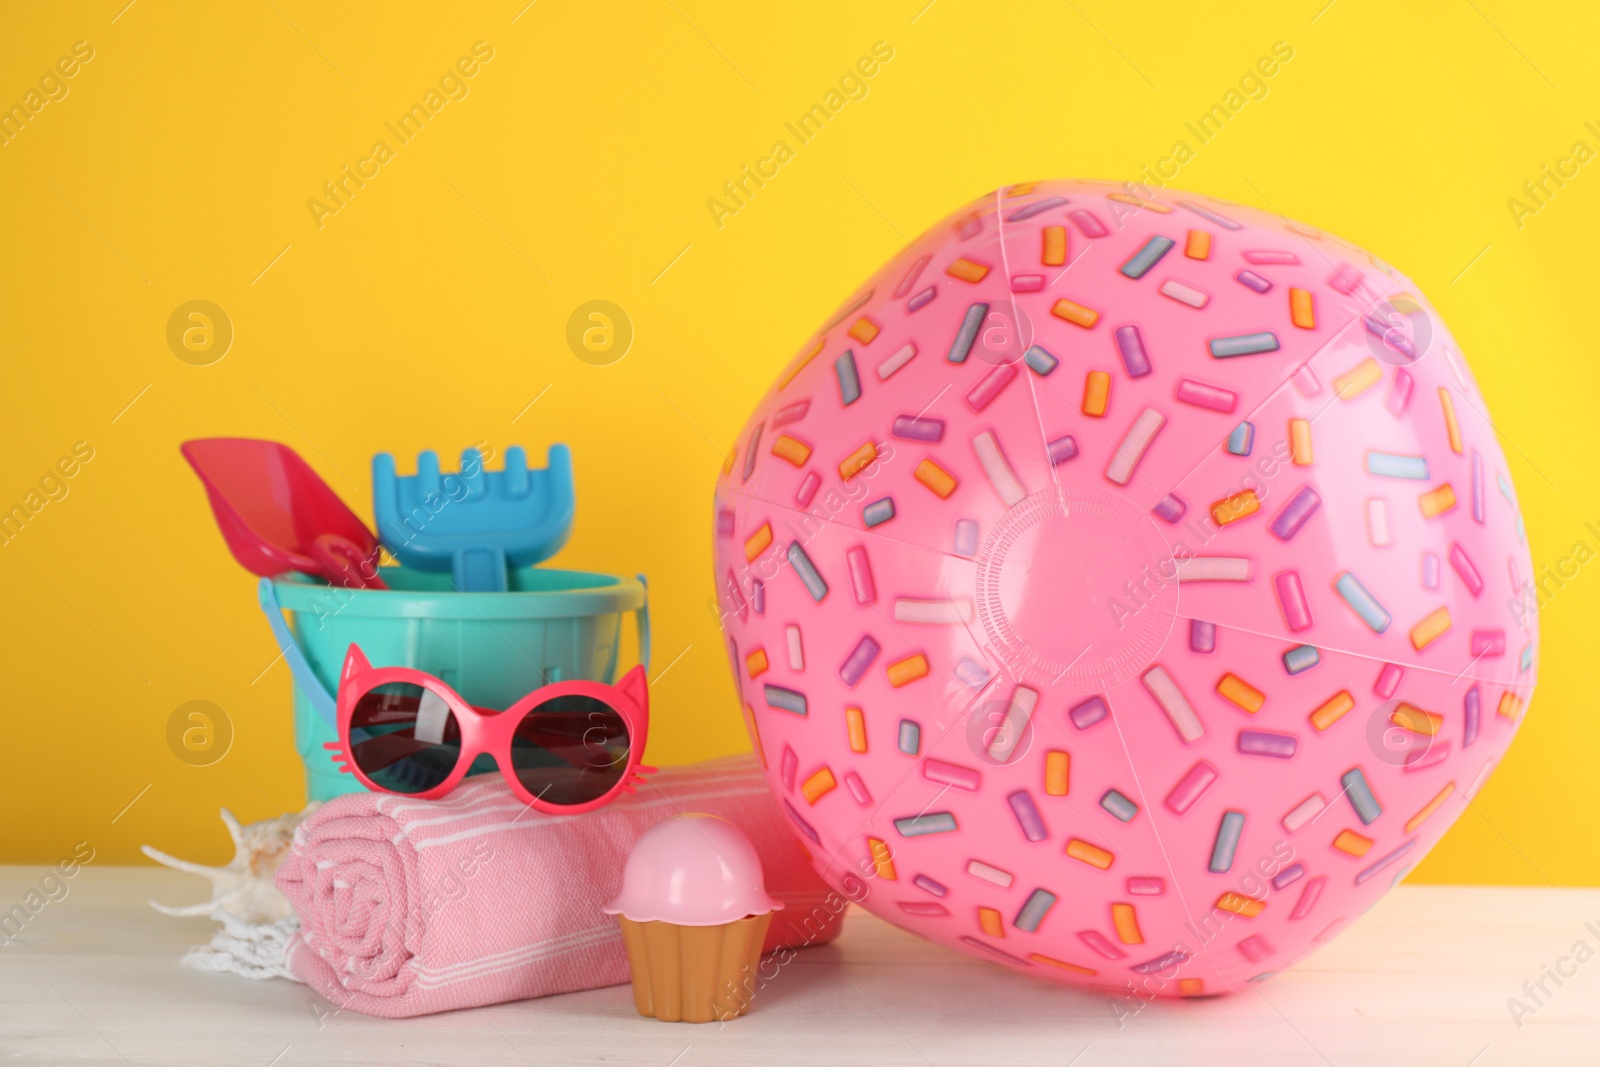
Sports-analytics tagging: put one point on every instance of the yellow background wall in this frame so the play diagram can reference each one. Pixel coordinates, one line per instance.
(431, 310)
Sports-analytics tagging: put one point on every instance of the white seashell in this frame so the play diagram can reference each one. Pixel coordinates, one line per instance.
(243, 890)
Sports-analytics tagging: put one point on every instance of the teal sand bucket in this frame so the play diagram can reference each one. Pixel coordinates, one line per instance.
(492, 648)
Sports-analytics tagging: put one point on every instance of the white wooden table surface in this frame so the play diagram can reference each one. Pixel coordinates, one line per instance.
(1424, 978)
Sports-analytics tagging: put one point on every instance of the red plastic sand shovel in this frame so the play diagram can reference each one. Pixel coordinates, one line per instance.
(277, 515)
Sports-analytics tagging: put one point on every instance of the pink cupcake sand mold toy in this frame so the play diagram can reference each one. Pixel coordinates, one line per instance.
(694, 911)
(1127, 589)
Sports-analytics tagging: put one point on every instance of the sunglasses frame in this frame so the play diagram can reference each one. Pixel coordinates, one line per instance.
(484, 730)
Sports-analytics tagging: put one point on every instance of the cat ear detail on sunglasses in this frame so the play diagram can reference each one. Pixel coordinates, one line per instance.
(564, 749)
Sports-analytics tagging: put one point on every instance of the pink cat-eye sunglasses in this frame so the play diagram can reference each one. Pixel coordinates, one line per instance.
(564, 749)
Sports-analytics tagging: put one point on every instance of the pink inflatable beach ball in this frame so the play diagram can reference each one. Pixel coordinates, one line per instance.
(1125, 587)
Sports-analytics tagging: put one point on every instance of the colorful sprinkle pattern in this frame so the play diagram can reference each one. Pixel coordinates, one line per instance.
(1147, 569)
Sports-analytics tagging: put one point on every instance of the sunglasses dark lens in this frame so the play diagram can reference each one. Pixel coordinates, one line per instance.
(570, 750)
(404, 737)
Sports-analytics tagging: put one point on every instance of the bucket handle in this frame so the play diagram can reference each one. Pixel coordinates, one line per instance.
(642, 616)
(304, 676)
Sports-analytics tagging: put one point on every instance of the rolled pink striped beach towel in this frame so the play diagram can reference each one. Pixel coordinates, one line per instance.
(409, 907)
